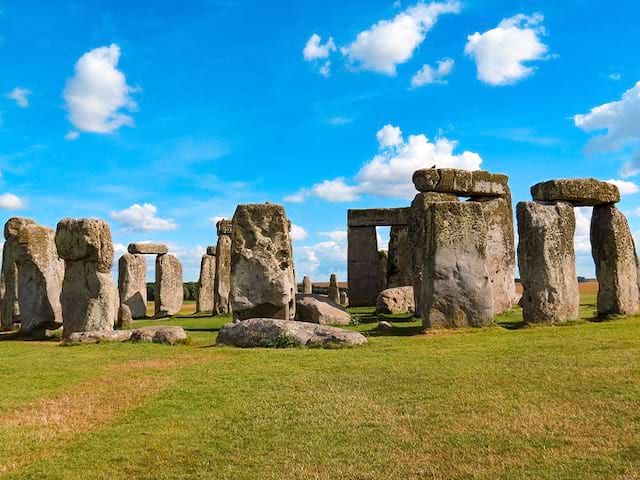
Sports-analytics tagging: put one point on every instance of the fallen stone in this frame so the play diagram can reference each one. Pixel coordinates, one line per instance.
(321, 310)
(78, 338)
(262, 274)
(148, 248)
(547, 262)
(169, 293)
(614, 253)
(271, 333)
(396, 300)
(157, 334)
(579, 192)
(307, 288)
(222, 284)
(132, 283)
(464, 183)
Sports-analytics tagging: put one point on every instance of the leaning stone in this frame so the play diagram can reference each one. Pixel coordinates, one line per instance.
(399, 263)
(547, 262)
(159, 334)
(206, 284)
(464, 183)
(614, 253)
(321, 310)
(169, 293)
(148, 248)
(268, 332)
(334, 291)
(262, 275)
(579, 192)
(456, 291)
(125, 320)
(307, 288)
(396, 300)
(89, 297)
(222, 283)
(132, 283)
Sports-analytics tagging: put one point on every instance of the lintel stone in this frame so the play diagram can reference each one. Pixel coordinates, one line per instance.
(464, 183)
(579, 192)
(378, 217)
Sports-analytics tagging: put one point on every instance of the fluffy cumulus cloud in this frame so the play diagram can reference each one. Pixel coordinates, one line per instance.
(20, 96)
(142, 218)
(625, 187)
(323, 258)
(619, 122)
(9, 201)
(390, 172)
(98, 92)
(428, 75)
(502, 52)
(582, 237)
(298, 233)
(315, 51)
(390, 43)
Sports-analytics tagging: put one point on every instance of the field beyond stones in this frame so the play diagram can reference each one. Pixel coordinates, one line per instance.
(504, 402)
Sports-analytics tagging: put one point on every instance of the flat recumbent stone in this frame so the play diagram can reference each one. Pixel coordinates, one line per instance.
(579, 192)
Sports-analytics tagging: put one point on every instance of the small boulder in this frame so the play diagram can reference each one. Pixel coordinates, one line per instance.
(81, 338)
(396, 300)
(321, 310)
(384, 326)
(268, 332)
(160, 334)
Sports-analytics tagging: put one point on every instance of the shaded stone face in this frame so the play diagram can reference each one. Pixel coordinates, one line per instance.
(125, 320)
(464, 183)
(211, 250)
(334, 291)
(399, 264)
(307, 288)
(547, 262)
(614, 253)
(321, 310)
(169, 286)
(222, 283)
(383, 272)
(206, 282)
(33, 276)
(148, 248)
(363, 267)
(579, 192)
(262, 272)
(456, 291)
(132, 284)
(396, 300)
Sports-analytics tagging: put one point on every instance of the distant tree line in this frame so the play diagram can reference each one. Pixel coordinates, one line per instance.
(190, 291)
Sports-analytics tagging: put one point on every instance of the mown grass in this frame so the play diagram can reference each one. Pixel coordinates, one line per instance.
(499, 403)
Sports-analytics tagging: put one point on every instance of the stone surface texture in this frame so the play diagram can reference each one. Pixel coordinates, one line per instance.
(465, 183)
(148, 248)
(321, 310)
(579, 192)
(222, 284)
(334, 291)
(132, 283)
(156, 334)
(363, 266)
(206, 282)
(169, 293)
(396, 300)
(399, 263)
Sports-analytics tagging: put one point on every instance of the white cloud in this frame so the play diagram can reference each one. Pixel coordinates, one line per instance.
(390, 43)
(625, 187)
(20, 96)
(325, 69)
(72, 135)
(582, 238)
(428, 75)
(298, 233)
(119, 249)
(389, 136)
(9, 201)
(324, 258)
(142, 218)
(335, 191)
(631, 167)
(615, 77)
(98, 91)
(500, 53)
(315, 50)
(297, 197)
(337, 121)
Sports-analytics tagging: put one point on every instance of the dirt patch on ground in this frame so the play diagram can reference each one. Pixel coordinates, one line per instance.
(586, 288)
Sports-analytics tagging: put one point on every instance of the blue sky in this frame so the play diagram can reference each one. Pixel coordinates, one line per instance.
(162, 118)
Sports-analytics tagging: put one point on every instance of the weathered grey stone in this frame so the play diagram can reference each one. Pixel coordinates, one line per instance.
(456, 291)
(89, 297)
(547, 262)
(132, 283)
(399, 265)
(417, 237)
(344, 299)
(334, 291)
(464, 183)
(86, 338)
(267, 332)
(169, 293)
(614, 253)
(148, 248)
(396, 300)
(383, 264)
(321, 310)
(211, 250)
(156, 334)
(501, 251)
(206, 282)
(222, 283)
(32, 274)
(125, 320)
(579, 192)
(363, 266)
(262, 273)
(377, 217)
(307, 288)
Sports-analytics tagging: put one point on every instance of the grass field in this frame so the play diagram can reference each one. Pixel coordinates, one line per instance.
(497, 403)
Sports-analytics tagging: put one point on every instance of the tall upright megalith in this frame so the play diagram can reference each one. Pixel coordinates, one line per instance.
(399, 261)
(334, 291)
(263, 280)
(132, 283)
(33, 274)
(222, 283)
(205, 300)
(169, 286)
(307, 288)
(89, 297)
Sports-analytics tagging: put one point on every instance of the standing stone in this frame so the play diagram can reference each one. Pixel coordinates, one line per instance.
(363, 266)
(222, 283)
(614, 253)
(399, 265)
(169, 286)
(344, 299)
(132, 283)
(89, 297)
(307, 288)
(206, 284)
(33, 275)
(334, 291)
(456, 291)
(125, 320)
(547, 262)
(263, 281)
(383, 262)
(501, 253)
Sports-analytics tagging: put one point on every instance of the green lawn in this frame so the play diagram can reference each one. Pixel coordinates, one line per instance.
(497, 403)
